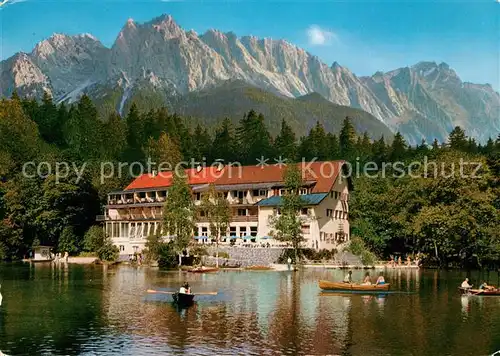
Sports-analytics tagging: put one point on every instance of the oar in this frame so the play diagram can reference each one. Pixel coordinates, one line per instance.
(165, 292)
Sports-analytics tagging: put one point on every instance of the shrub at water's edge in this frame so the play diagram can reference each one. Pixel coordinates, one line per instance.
(358, 248)
(97, 243)
(164, 253)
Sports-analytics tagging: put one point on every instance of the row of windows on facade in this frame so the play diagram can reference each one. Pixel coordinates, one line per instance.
(337, 214)
(113, 230)
(329, 237)
(240, 194)
(245, 230)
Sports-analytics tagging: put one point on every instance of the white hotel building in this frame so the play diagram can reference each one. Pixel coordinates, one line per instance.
(254, 194)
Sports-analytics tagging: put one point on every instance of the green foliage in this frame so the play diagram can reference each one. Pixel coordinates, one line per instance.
(347, 140)
(221, 254)
(164, 253)
(253, 137)
(97, 243)
(285, 144)
(93, 239)
(68, 241)
(442, 212)
(288, 225)
(199, 250)
(452, 220)
(235, 99)
(87, 254)
(179, 212)
(167, 255)
(358, 248)
(108, 251)
(218, 212)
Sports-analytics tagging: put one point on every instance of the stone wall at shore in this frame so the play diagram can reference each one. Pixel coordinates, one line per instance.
(246, 257)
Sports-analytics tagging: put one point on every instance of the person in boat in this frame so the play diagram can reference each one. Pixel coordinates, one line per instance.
(380, 279)
(185, 289)
(348, 277)
(485, 286)
(465, 284)
(367, 281)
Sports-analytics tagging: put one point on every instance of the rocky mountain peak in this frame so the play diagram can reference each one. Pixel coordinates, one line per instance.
(19, 73)
(166, 25)
(423, 100)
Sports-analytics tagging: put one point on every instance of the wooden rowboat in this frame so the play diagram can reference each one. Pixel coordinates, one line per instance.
(183, 299)
(203, 270)
(470, 291)
(353, 287)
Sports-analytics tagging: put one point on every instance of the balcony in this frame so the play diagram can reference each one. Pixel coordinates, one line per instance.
(236, 218)
(128, 218)
(248, 218)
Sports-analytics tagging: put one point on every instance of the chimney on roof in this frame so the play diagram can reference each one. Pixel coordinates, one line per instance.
(154, 173)
(198, 168)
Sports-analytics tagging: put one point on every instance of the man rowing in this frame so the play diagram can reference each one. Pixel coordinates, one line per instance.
(465, 284)
(185, 289)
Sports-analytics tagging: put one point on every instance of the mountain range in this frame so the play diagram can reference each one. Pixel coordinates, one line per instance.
(217, 74)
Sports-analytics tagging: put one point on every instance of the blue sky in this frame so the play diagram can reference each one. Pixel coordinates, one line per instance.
(363, 36)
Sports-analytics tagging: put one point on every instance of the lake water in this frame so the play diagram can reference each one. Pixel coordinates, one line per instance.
(94, 310)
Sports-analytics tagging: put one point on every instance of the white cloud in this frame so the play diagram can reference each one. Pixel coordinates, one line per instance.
(319, 36)
(4, 3)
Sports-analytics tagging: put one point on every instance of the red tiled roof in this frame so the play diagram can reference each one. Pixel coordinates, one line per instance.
(324, 173)
(164, 179)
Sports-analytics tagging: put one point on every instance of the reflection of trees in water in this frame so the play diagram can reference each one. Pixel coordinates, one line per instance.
(52, 309)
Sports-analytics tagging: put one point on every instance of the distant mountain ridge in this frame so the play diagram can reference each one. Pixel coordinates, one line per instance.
(161, 59)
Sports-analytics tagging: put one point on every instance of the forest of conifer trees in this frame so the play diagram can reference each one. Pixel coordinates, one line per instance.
(451, 220)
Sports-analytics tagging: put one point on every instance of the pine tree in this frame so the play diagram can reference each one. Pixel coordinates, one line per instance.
(62, 120)
(135, 134)
(83, 131)
(164, 152)
(435, 145)
(379, 151)
(422, 149)
(50, 129)
(398, 148)
(254, 139)
(201, 143)
(489, 147)
(472, 146)
(15, 96)
(333, 146)
(224, 144)
(285, 143)
(347, 140)
(318, 142)
(457, 139)
(115, 132)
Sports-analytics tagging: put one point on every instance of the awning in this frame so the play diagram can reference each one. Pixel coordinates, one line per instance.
(200, 237)
(265, 237)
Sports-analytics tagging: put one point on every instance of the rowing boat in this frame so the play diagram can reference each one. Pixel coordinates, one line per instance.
(342, 286)
(183, 299)
(470, 291)
(203, 270)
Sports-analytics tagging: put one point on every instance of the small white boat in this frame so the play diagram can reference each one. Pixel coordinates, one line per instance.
(1, 302)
